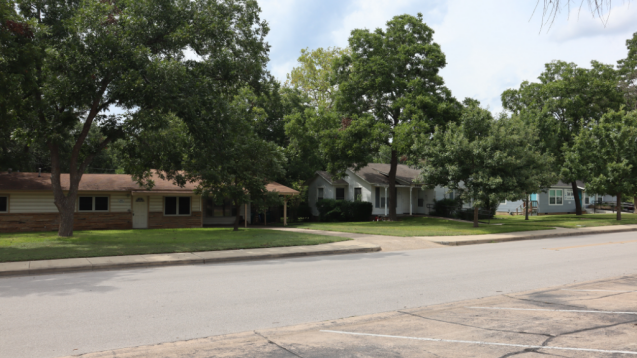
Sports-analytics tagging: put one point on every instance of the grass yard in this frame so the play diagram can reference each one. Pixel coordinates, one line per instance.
(568, 221)
(47, 245)
(418, 226)
(424, 226)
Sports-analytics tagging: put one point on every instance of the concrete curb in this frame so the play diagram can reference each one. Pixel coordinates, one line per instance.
(575, 232)
(25, 268)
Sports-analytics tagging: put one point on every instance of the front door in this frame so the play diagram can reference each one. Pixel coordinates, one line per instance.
(140, 213)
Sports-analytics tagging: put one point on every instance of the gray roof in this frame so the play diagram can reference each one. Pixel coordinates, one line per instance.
(330, 179)
(378, 174)
(561, 184)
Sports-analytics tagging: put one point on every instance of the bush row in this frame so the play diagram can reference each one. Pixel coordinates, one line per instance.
(341, 210)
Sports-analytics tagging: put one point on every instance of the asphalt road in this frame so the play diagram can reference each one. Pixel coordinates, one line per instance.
(58, 315)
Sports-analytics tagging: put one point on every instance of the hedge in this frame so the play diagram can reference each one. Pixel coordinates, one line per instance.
(342, 210)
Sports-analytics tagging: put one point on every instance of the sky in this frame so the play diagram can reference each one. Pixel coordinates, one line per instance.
(490, 45)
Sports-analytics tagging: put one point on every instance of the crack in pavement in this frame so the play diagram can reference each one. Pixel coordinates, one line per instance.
(597, 298)
(471, 326)
(586, 330)
(276, 344)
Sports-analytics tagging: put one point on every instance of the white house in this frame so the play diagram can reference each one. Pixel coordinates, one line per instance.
(371, 184)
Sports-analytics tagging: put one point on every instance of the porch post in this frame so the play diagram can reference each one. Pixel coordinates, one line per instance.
(245, 220)
(386, 201)
(410, 201)
(285, 211)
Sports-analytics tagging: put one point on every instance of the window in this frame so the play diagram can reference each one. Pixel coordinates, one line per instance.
(177, 205)
(340, 193)
(320, 193)
(93, 203)
(587, 200)
(4, 204)
(556, 197)
(568, 195)
(358, 194)
(421, 198)
(450, 196)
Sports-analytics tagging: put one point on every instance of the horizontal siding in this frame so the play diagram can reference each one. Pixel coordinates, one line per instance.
(120, 203)
(196, 203)
(156, 203)
(32, 203)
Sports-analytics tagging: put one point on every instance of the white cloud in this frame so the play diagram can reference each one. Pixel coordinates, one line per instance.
(491, 45)
(583, 24)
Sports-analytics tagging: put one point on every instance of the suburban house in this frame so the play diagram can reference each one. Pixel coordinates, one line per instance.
(111, 201)
(371, 184)
(557, 199)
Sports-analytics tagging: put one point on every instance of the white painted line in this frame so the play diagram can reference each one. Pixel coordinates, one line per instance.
(538, 309)
(484, 343)
(566, 289)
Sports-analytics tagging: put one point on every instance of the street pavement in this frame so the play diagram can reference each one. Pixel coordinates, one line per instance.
(592, 319)
(67, 314)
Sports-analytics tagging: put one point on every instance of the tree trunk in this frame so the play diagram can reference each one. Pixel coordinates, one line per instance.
(526, 208)
(236, 219)
(635, 205)
(619, 206)
(578, 203)
(392, 185)
(476, 212)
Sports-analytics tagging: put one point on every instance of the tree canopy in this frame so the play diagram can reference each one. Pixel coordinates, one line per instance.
(566, 99)
(389, 91)
(607, 153)
(487, 160)
(137, 55)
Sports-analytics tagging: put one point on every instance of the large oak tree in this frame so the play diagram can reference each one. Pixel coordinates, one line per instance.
(389, 91)
(155, 59)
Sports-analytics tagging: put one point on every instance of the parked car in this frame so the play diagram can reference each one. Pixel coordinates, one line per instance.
(628, 207)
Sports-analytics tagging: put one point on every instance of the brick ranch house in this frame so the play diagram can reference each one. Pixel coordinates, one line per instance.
(111, 201)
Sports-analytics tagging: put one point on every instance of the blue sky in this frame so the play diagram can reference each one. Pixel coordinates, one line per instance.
(491, 45)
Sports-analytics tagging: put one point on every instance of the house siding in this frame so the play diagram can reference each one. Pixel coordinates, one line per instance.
(22, 203)
(120, 203)
(544, 208)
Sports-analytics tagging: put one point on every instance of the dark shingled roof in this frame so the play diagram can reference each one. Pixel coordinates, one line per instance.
(327, 176)
(378, 174)
(103, 182)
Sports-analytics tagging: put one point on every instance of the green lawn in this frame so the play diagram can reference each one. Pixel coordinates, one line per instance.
(417, 226)
(424, 226)
(568, 221)
(47, 245)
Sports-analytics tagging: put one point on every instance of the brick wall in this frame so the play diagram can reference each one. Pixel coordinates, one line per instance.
(50, 222)
(159, 221)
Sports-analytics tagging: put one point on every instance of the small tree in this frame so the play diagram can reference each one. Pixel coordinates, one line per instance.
(487, 160)
(608, 151)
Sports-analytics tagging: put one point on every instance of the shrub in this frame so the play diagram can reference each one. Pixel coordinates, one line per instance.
(447, 208)
(331, 210)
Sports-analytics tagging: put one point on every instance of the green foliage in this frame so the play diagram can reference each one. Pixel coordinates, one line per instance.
(331, 210)
(628, 71)
(313, 75)
(487, 160)
(447, 208)
(92, 55)
(607, 152)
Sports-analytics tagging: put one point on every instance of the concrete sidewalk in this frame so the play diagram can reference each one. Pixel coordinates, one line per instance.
(399, 243)
(186, 258)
